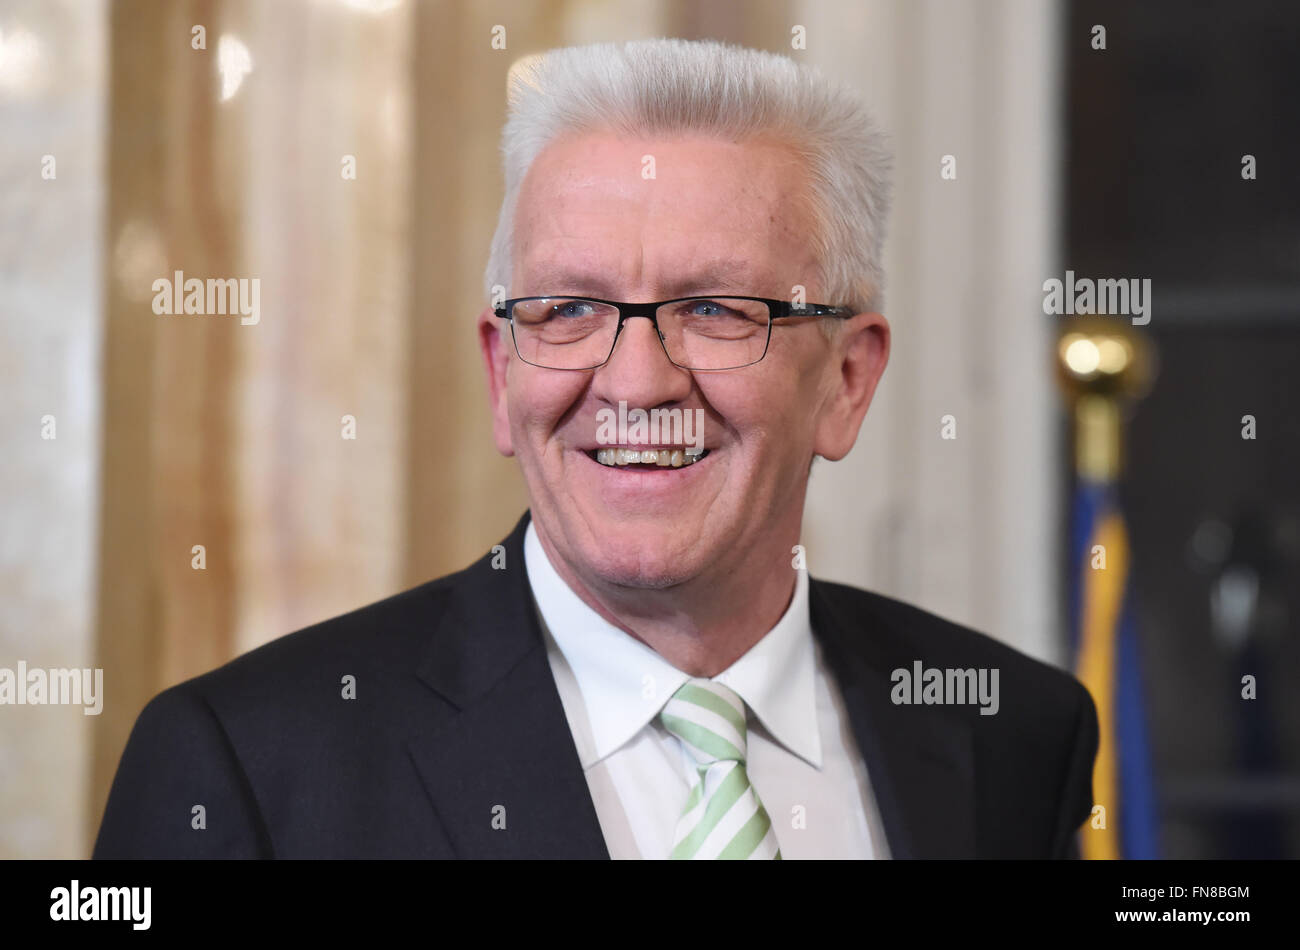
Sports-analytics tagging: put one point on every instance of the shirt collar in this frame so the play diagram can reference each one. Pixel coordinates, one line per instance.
(624, 683)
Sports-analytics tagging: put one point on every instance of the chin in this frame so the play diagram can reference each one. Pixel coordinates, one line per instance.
(644, 562)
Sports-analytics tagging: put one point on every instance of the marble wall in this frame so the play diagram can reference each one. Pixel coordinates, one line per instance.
(53, 63)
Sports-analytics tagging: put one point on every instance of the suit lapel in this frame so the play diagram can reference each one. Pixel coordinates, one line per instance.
(502, 772)
(920, 759)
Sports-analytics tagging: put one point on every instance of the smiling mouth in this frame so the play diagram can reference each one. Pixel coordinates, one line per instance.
(647, 458)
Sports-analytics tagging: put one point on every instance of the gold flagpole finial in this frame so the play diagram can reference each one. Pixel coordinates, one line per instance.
(1102, 364)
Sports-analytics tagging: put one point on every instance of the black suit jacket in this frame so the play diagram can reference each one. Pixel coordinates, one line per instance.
(456, 713)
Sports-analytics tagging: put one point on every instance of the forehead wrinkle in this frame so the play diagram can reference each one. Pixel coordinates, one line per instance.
(706, 280)
(709, 277)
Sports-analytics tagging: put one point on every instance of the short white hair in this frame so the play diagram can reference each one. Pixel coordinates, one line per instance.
(646, 87)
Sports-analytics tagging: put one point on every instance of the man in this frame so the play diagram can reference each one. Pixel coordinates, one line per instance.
(690, 237)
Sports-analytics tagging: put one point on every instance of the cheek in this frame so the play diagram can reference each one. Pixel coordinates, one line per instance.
(772, 417)
(766, 404)
(538, 401)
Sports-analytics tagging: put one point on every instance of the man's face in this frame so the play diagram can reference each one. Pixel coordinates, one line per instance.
(717, 217)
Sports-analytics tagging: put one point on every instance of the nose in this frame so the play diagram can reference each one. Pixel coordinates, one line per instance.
(639, 371)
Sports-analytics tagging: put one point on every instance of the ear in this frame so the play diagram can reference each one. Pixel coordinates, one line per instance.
(859, 355)
(498, 352)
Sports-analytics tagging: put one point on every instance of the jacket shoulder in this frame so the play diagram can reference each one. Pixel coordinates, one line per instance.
(272, 732)
(381, 638)
(904, 633)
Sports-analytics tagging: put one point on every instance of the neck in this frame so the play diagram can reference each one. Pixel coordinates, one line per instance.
(701, 626)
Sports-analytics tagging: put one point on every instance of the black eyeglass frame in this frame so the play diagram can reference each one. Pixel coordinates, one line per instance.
(776, 310)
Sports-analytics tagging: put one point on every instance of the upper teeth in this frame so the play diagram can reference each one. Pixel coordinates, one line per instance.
(670, 458)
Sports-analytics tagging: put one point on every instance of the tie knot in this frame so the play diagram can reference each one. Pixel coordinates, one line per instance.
(709, 719)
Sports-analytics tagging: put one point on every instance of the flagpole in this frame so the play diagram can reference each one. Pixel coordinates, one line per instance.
(1104, 366)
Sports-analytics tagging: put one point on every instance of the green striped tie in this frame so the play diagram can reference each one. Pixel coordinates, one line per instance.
(723, 817)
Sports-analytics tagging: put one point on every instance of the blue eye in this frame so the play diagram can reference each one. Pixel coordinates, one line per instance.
(572, 308)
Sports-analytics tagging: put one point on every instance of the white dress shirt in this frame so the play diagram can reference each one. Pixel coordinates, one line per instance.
(802, 760)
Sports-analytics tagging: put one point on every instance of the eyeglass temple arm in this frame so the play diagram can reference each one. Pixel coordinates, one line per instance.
(814, 310)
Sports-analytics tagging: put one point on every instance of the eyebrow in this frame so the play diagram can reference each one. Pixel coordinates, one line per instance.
(713, 276)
